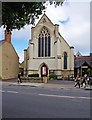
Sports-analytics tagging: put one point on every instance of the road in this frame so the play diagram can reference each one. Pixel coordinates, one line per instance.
(39, 102)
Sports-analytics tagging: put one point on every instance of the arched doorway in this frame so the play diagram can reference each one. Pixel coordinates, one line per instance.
(44, 70)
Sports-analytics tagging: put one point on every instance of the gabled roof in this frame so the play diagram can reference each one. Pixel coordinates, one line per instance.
(44, 15)
(81, 60)
(78, 64)
(78, 54)
(85, 58)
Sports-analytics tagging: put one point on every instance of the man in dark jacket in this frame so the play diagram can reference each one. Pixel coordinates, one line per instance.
(19, 78)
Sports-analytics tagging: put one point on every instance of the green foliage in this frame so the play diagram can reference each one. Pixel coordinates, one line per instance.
(33, 75)
(16, 15)
(52, 77)
(89, 71)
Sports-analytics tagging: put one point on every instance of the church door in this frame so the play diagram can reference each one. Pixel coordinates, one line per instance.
(44, 70)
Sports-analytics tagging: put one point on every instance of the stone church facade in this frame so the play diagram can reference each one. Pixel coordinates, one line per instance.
(48, 52)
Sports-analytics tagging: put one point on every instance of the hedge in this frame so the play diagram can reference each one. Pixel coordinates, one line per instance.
(33, 75)
(52, 77)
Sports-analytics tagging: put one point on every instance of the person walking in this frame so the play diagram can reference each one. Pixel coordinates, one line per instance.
(77, 81)
(19, 78)
(84, 81)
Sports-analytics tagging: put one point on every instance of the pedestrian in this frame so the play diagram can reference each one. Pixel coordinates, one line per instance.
(19, 78)
(84, 81)
(77, 81)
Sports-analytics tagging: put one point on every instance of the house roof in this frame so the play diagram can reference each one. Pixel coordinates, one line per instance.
(81, 60)
(78, 54)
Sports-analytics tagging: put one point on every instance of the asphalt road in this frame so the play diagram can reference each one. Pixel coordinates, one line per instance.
(37, 102)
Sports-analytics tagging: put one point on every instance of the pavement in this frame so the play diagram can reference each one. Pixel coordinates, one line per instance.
(60, 84)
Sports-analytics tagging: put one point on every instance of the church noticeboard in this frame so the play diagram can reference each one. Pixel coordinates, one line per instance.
(44, 71)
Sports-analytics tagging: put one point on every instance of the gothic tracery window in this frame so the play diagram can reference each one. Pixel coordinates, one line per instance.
(44, 43)
(65, 60)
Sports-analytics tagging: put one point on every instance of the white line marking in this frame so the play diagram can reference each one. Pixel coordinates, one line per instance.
(65, 96)
(2, 91)
(11, 91)
(8, 91)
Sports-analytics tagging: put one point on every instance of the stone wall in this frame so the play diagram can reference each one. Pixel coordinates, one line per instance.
(10, 61)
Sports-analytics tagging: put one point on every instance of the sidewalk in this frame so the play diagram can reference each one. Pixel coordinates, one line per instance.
(59, 84)
(27, 84)
(43, 85)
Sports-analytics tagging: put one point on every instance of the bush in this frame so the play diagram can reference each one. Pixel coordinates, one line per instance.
(52, 77)
(33, 75)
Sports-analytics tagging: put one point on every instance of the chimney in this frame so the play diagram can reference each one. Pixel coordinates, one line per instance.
(8, 36)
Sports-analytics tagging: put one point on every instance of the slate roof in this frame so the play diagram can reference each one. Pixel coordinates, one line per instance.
(81, 60)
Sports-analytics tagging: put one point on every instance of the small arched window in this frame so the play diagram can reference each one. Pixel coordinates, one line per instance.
(44, 43)
(65, 60)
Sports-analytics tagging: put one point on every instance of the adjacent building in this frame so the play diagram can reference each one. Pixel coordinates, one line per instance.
(48, 52)
(83, 64)
(9, 60)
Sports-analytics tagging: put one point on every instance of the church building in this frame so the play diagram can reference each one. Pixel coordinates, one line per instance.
(48, 52)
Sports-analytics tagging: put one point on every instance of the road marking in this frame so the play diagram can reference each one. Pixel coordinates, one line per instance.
(11, 91)
(8, 91)
(2, 91)
(73, 97)
(50, 95)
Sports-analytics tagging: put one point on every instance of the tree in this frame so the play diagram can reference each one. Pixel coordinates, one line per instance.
(16, 15)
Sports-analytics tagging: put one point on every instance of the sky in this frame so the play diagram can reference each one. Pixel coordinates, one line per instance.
(74, 25)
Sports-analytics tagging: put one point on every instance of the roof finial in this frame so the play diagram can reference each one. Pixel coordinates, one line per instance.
(44, 11)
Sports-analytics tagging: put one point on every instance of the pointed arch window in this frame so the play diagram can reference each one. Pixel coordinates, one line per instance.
(65, 60)
(44, 45)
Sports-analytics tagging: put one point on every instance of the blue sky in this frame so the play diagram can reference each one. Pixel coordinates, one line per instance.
(74, 25)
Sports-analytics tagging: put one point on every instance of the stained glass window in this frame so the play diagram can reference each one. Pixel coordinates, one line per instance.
(44, 45)
(65, 60)
(39, 43)
(49, 45)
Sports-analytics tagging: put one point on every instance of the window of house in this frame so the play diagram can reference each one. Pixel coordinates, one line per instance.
(44, 43)
(65, 60)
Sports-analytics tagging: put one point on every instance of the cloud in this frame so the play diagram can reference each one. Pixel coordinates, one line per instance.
(1, 33)
(73, 18)
(65, 21)
(74, 23)
(22, 34)
(21, 56)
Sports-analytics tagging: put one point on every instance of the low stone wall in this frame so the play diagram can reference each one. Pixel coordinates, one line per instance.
(32, 79)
